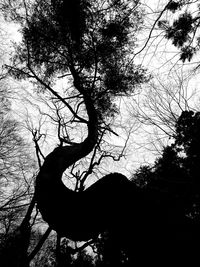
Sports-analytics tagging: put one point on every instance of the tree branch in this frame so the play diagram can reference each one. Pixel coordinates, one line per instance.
(39, 245)
(150, 33)
(51, 90)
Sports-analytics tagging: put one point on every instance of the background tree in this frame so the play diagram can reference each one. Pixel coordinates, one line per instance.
(157, 109)
(175, 172)
(183, 31)
(16, 175)
(16, 162)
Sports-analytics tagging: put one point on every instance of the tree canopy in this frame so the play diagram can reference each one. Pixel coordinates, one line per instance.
(91, 49)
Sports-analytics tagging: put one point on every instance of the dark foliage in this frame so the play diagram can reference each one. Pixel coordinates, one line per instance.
(183, 31)
(180, 30)
(176, 172)
(174, 180)
(85, 37)
(187, 140)
(174, 5)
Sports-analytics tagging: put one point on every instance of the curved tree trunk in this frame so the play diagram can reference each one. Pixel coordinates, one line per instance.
(113, 203)
(57, 203)
(104, 206)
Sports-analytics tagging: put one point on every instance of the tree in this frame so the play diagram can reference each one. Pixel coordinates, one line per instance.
(158, 107)
(16, 165)
(172, 179)
(15, 177)
(175, 172)
(187, 142)
(89, 53)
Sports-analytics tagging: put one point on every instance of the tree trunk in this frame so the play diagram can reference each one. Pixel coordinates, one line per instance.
(56, 202)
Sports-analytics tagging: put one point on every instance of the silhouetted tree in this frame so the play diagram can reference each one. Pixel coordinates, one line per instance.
(175, 172)
(85, 45)
(173, 181)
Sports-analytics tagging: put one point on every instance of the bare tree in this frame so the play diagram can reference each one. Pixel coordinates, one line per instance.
(160, 104)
